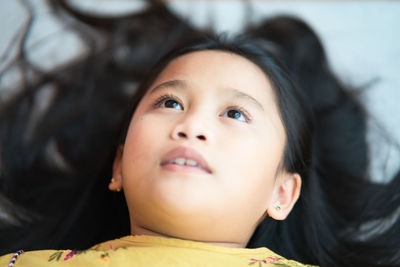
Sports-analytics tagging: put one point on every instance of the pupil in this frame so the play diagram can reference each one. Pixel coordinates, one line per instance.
(171, 104)
(234, 114)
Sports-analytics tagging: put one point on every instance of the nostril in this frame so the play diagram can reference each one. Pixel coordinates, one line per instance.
(181, 134)
(201, 137)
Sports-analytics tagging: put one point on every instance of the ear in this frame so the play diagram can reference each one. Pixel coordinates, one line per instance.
(116, 181)
(285, 194)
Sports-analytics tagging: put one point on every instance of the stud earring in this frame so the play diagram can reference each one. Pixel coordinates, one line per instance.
(277, 208)
(113, 181)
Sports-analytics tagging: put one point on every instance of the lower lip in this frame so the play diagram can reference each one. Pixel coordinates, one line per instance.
(183, 168)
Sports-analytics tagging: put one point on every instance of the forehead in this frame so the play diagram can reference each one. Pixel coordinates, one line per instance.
(219, 69)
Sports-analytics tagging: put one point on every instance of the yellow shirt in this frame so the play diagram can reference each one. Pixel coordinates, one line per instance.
(151, 251)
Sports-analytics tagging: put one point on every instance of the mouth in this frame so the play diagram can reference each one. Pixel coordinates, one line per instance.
(185, 159)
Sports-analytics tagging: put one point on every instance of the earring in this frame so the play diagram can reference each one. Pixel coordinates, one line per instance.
(113, 181)
(277, 208)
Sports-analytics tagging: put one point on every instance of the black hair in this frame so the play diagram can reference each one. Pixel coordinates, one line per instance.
(60, 128)
(342, 218)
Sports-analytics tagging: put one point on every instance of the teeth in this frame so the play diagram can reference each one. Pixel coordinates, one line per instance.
(180, 161)
(183, 161)
(191, 162)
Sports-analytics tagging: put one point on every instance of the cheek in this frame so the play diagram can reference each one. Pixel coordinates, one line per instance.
(255, 153)
(138, 136)
(250, 167)
(140, 146)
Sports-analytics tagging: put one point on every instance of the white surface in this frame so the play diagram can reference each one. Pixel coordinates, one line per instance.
(361, 38)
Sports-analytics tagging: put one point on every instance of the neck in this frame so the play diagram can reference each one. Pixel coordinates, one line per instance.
(137, 230)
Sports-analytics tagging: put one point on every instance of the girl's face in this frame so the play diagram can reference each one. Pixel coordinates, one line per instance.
(202, 153)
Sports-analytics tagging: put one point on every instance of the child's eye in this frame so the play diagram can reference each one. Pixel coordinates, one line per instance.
(168, 101)
(237, 114)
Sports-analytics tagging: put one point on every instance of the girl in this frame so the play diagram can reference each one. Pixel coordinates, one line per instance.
(221, 148)
(206, 147)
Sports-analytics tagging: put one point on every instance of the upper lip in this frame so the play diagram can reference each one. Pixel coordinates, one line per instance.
(186, 153)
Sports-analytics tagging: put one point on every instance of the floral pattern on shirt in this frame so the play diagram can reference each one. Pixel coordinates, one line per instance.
(275, 261)
(265, 261)
(66, 255)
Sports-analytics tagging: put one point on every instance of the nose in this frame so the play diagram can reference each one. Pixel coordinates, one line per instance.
(191, 128)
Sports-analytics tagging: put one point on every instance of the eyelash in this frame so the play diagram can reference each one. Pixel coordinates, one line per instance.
(163, 98)
(242, 111)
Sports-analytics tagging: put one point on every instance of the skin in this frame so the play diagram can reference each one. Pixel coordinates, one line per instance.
(222, 106)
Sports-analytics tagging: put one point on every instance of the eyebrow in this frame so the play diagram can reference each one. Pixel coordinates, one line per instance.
(182, 84)
(171, 83)
(239, 94)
